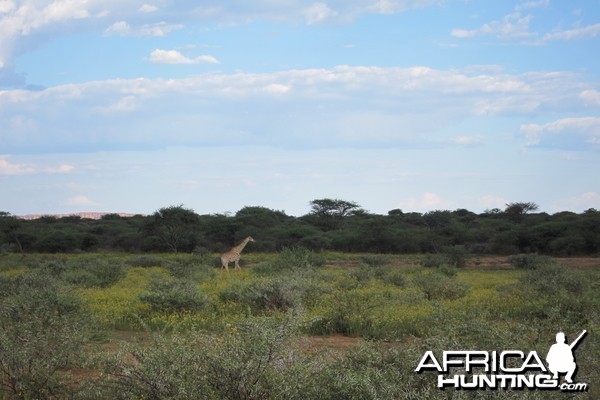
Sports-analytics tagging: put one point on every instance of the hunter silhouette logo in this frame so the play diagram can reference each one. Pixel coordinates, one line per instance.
(508, 369)
(560, 356)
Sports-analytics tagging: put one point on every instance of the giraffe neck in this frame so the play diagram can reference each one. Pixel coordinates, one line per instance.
(238, 249)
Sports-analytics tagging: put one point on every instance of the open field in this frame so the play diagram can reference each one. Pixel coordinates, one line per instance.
(294, 324)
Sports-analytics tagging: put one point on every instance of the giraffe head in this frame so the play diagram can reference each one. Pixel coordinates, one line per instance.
(250, 239)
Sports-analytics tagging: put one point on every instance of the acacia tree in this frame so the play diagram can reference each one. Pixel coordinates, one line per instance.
(176, 227)
(516, 210)
(334, 208)
(330, 212)
(520, 208)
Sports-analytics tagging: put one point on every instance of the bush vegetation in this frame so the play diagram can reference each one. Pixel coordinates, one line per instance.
(331, 225)
(205, 333)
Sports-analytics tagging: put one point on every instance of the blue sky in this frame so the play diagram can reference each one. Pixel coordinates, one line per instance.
(412, 104)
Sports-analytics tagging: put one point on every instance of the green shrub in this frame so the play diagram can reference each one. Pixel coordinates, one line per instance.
(529, 261)
(549, 279)
(94, 273)
(438, 286)
(375, 260)
(192, 270)
(43, 330)
(174, 296)
(434, 260)
(448, 271)
(368, 371)
(252, 360)
(454, 256)
(394, 277)
(268, 294)
(167, 367)
(364, 273)
(457, 255)
(566, 295)
(348, 312)
(297, 259)
(145, 261)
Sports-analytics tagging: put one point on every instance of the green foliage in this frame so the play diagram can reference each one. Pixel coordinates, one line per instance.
(440, 286)
(331, 224)
(333, 208)
(369, 371)
(165, 368)
(376, 270)
(95, 273)
(294, 259)
(552, 279)
(452, 256)
(375, 260)
(218, 335)
(173, 296)
(43, 332)
(457, 256)
(192, 269)
(173, 228)
(145, 261)
(271, 294)
(528, 261)
(250, 360)
(394, 277)
(434, 260)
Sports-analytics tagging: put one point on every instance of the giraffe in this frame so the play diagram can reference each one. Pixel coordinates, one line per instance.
(234, 254)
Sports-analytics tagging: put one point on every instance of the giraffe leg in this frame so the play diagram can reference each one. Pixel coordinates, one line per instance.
(237, 264)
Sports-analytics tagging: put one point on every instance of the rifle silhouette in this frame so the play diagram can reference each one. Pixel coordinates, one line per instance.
(574, 342)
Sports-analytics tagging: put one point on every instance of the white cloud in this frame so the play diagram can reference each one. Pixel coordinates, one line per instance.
(61, 169)
(8, 168)
(20, 20)
(119, 28)
(427, 202)
(489, 201)
(577, 130)
(591, 96)
(466, 140)
(516, 26)
(6, 6)
(579, 203)
(124, 104)
(318, 13)
(277, 88)
(432, 200)
(160, 56)
(30, 16)
(323, 107)
(510, 27)
(80, 200)
(395, 6)
(589, 31)
(148, 8)
(532, 4)
(159, 29)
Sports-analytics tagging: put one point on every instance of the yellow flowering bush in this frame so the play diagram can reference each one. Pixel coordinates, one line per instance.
(119, 306)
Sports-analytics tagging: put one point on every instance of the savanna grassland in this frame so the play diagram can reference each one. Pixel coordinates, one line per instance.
(292, 324)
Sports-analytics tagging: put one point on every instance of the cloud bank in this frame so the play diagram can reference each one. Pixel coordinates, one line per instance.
(26, 24)
(306, 108)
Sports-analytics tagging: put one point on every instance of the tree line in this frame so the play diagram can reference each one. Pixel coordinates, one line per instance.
(331, 224)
